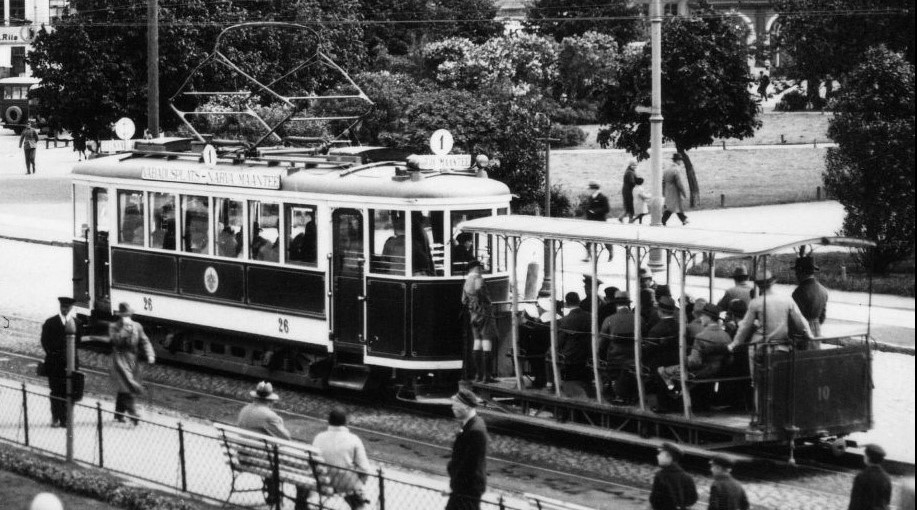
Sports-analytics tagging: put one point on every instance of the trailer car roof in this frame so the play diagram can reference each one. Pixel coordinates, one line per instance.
(695, 239)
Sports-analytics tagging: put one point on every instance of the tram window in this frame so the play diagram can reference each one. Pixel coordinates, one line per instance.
(195, 224)
(229, 217)
(301, 234)
(265, 231)
(162, 226)
(101, 212)
(130, 217)
(468, 247)
(387, 251)
(81, 196)
(427, 232)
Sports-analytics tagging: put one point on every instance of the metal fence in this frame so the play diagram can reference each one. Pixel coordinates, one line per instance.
(189, 457)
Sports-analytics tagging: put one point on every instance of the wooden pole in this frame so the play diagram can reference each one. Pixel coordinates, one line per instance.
(553, 310)
(594, 290)
(638, 331)
(682, 336)
(514, 317)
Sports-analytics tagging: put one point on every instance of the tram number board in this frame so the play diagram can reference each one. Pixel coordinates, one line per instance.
(248, 178)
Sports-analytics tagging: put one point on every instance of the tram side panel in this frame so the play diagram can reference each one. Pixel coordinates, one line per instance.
(81, 273)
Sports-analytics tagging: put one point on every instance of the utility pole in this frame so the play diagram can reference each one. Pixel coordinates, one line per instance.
(152, 67)
(656, 263)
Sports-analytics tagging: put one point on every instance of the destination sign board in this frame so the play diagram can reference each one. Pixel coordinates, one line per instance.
(116, 145)
(444, 162)
(247, 178)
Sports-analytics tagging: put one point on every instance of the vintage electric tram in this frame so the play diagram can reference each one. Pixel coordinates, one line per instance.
(818, 390)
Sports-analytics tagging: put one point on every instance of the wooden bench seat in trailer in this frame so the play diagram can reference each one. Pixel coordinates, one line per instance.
(276, 461)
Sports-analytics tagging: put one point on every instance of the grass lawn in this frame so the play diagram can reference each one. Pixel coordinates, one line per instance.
(746, 176)
(17, 492)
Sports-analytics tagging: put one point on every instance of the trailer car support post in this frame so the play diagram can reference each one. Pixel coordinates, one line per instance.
(638, 328)
(594, 290)
(553, 260)
(682, 337)
(514, 317)
(627, 286)
(711, 257)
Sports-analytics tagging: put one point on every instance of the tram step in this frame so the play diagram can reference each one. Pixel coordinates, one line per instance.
(349, 376)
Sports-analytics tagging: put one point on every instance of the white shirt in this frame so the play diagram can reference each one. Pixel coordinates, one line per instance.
(342, 448)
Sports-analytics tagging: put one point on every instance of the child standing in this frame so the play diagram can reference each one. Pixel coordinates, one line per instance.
(641, 199)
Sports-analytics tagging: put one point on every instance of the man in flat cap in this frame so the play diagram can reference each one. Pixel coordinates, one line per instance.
(810, 296)
(725, 492)
(468, 466)
(872, 487)
(54, 333)
(743, 289)
(672, 488)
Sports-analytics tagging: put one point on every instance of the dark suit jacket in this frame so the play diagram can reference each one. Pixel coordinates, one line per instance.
(468, 466)
(660, 345)
(727, 494)
(575, 337)
(812, 299)
(672, 489)
(54, 342)
(597, 207)
(872, 490)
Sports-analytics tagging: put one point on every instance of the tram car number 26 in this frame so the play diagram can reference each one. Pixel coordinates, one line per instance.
(283, 325)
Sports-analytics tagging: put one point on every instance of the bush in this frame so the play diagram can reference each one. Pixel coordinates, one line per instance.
(567, 136)
(792, 101)
(571, 113)
(561, 205)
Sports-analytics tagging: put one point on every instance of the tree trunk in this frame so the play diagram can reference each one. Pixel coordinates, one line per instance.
(692, 179)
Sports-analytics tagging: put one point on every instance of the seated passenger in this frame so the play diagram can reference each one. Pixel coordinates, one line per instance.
(608, 306)
(226, 243)
(421, 256)
(534, 342)
(649, 310)
(617, 330)
(734, 314)
(462, 252)
(708, 354)
(302, 247)
(393, 253)
(574, 339)
(695, 325)
(270, 252)
(660, 345)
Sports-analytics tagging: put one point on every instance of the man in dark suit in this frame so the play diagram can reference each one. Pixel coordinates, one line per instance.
(54, 342)
(672, 488)
(468, 466)
(574, 339)
(596, 209)
(872, 488)
(660, 345)
(725, 492)
(810, 296)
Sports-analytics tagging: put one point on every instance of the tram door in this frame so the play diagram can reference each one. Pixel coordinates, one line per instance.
(347, 267)
(100, 226)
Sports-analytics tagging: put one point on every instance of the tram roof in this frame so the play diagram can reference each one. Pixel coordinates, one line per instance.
(688, 238)
(375, 180)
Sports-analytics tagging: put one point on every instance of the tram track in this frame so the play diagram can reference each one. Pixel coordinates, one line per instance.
(816, 481)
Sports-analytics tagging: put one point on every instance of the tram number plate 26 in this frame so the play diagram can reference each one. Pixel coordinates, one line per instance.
(283, 325)
(147, 304)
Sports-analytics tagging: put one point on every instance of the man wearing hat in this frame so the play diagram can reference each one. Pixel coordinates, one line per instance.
(468, 466)
(596, 209)
(810, 296)
(673, 191)
(771, 318)
(742, 289)
(54, 342)
(672, 488)
(660, 345)
(707, 352)
(872, 487)
(128, 340)
(259, 416)
(574, 339)
(627, 191)
(617, 345)
(608, 306)
(725, 492)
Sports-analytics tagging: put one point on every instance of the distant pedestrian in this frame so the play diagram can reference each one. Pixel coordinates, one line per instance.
(478, 308)
(597, 209)
(641, 201)
(29, 143)
(627, 192)
(468, 466)
(129, 346)
(810, 296)
(79, 144)
(725, 492)
(763, 82)
(54, 342)
(342, 448)
(672, 488)
(673, 191)
(872, 487)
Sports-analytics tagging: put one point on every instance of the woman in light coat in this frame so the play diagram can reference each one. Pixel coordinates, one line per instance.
(128, 341)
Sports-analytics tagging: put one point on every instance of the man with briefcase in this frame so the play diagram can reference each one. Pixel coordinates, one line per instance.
(54, 341)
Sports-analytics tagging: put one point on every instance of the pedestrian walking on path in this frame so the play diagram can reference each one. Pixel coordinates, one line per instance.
(54, 342)
(627, 192)
(872, 487)
(673, 489)
(674, 191)
(725, 492)
(29, 143)
(641, 201)
(129, 346)
(468, 466)
(342, 448)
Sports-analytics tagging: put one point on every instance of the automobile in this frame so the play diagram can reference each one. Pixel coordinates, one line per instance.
(17, 103)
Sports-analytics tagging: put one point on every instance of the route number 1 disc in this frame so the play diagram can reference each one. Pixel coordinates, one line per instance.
(441, 142)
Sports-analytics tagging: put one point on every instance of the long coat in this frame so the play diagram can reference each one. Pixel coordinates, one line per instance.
(673, 190)
(127, 340)
(812, 299)
(597, 207)
(872, 490)
(468, 466)
(672, 489)
(54, 342)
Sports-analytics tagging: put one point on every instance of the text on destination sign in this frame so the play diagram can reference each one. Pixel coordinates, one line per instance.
(212, 176)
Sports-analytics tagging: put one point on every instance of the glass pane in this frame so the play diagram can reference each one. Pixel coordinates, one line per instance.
(468, 247)
(387, 253)
(195, 224)
(229, 217)
(301, 234)
(102, 211)
(265, 231)
(427, 241)
(162, 226)
(130, 217)
(348, 242)
(81, 212)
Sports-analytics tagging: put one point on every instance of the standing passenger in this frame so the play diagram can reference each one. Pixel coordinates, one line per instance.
(810, 296)
(872, 487)
(672, 488)
(771, 318)
(468, 466)
(743, 289)
(128, 340)
(725, 492)
(476, 301)
(342, 448)
(54, 342)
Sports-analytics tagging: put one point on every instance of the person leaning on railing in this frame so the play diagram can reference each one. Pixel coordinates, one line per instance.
(771, 318)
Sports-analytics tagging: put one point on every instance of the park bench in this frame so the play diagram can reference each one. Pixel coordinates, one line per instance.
(542, 503)
(277, 461)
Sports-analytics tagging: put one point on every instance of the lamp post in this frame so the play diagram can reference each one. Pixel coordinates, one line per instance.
(656, 263)
(545, 122)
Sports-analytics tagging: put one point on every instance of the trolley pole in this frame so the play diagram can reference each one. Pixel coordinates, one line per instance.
(655, 261)
(152, 67)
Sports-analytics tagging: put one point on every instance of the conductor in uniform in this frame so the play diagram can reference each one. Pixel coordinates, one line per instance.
(54, 342)
(468, 466)
(810, 296)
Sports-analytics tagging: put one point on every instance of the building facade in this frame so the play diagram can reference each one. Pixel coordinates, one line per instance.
(22, 19)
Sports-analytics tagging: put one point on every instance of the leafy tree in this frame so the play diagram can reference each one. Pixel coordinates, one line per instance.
(563, 18)
(871, 171)
(705, 90)
(473, 19)
(828, 37)
(386, 26)
(586, 64)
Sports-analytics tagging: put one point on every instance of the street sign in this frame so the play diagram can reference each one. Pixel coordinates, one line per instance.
(643, 109)
(209, 154)
(124, 128)
(441, 142)
(444, 162)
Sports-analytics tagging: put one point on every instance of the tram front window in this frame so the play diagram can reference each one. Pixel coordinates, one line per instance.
(301, 234)
(195, 224)
(427, 240)
(81, 198)
(130, 217)
(229, 216)
(467, 247)
(162, 226)
(265, 231)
